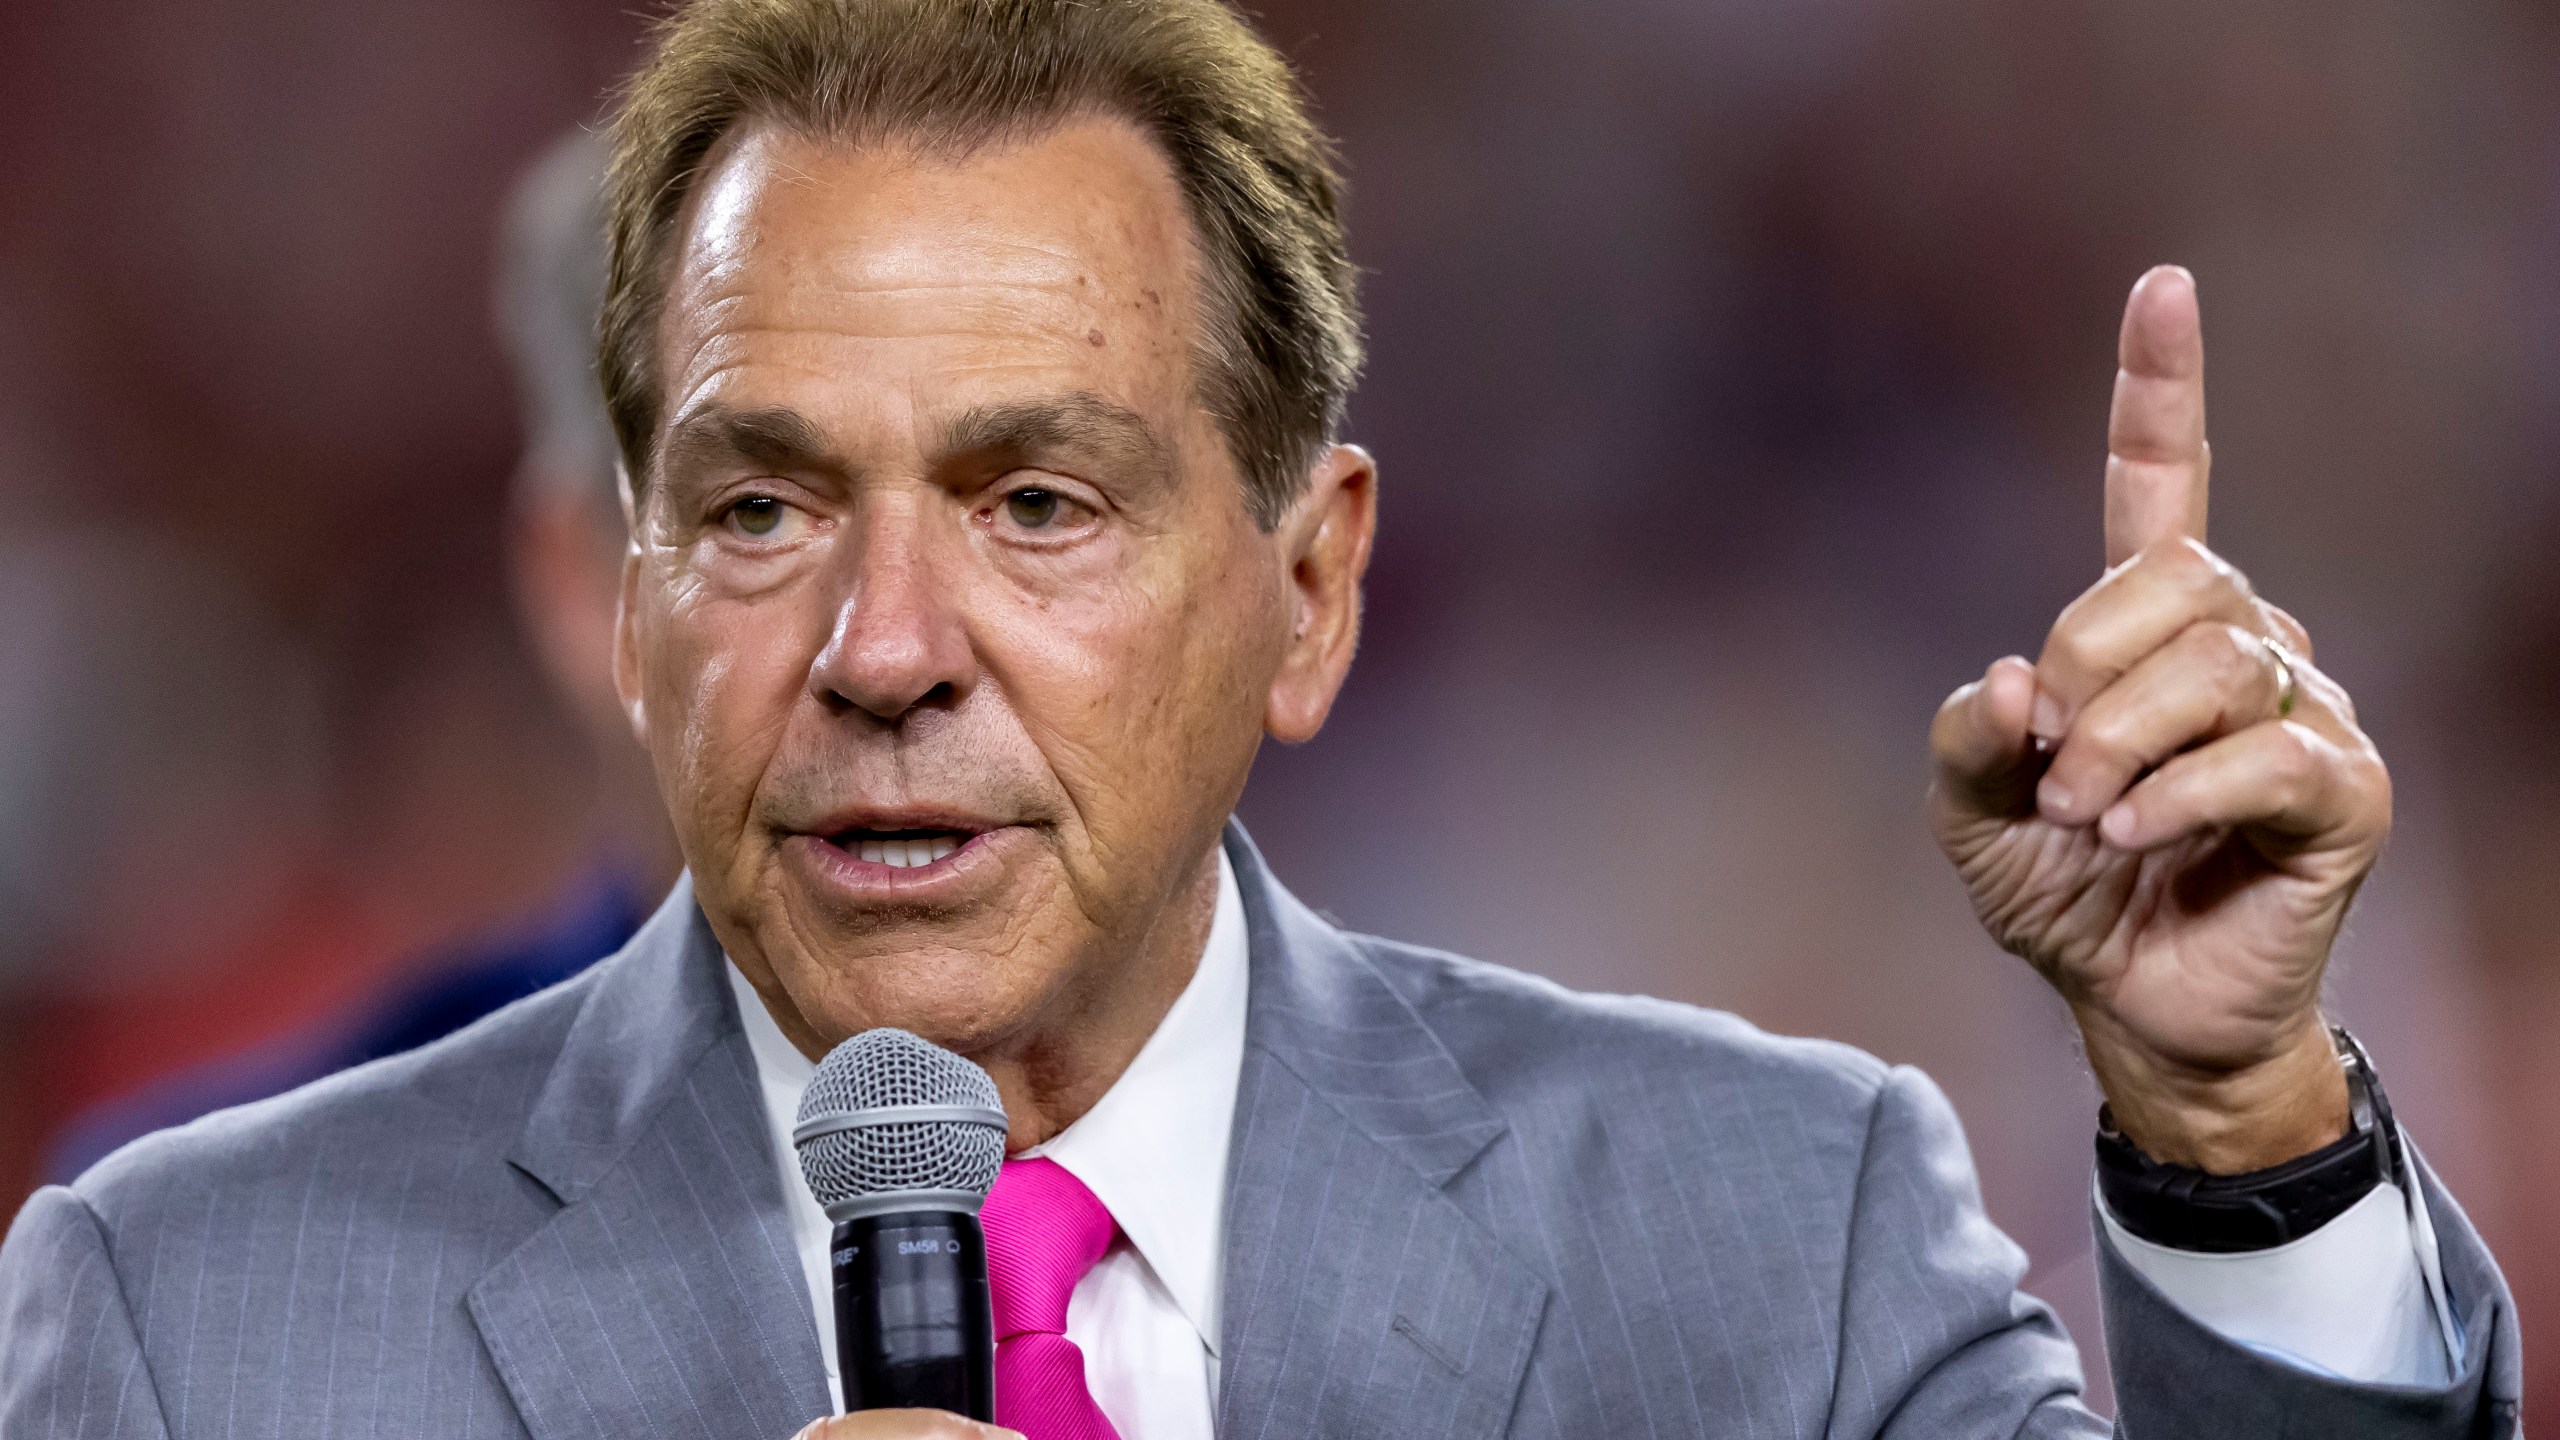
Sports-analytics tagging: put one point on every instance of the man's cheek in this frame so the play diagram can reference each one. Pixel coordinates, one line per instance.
(1222, 671)
(1088, 712)
(715, 728)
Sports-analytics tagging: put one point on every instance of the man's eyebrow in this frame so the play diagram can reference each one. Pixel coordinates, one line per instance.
(776, 437)
(1076, 421)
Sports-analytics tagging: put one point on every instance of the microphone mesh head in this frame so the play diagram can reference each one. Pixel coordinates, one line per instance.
(889, 1069)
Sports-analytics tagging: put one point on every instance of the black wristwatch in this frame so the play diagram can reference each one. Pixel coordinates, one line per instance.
(2188, 1209)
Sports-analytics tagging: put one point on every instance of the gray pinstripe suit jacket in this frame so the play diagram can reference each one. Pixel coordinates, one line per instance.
(1464, 1203)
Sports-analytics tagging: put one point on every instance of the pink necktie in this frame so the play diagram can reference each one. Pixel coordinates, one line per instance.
(1044, 1231)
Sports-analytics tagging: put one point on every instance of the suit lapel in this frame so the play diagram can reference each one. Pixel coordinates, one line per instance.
(664, 1298)
(1359, 1299)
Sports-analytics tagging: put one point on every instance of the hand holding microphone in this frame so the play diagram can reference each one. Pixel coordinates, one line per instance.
(903, 1425)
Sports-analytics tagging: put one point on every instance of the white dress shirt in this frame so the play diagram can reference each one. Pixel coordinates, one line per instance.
(2361, 1298)
(1153, 1150)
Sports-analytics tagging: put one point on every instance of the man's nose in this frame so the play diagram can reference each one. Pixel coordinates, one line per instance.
(898, 642)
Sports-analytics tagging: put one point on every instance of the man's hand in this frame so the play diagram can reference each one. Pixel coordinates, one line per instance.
(2169, 811)
(903, 1425)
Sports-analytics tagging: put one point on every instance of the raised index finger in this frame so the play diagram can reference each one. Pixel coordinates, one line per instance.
(2157, 460)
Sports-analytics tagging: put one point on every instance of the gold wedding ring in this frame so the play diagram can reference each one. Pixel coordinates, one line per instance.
(2287, 688)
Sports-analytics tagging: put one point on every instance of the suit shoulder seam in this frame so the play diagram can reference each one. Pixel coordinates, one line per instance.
(124, 1300)
(1884, 1082)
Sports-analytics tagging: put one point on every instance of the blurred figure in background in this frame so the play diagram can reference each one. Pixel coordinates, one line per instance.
(564, 556)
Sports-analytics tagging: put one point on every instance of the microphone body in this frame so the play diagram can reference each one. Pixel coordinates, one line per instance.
(900, 1140)
(912, 1315)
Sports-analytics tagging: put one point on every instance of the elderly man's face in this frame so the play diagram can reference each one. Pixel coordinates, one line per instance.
(946, 622)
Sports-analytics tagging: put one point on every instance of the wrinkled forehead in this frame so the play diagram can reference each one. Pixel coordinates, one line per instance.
(881, 279)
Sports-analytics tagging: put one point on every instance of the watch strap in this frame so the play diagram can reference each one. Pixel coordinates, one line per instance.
(2184, 1208)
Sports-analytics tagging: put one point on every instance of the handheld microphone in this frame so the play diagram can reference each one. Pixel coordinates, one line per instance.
(900, 1140)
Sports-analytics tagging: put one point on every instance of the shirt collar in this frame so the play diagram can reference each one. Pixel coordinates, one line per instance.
(1153, 1149)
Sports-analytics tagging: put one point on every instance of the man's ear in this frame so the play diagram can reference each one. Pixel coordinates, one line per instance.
(564, 569)
(626, 632)
(1325, 539)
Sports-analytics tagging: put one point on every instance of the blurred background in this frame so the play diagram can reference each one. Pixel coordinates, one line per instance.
(1740, 374)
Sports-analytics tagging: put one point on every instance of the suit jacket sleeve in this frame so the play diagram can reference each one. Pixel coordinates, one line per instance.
(71, 1362)
(1936, 1338)
(2176, 1377)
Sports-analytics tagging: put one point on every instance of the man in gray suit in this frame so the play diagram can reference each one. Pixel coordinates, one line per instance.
(976, 366)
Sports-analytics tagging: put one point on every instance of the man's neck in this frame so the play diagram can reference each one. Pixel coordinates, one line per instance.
(1067, 1062)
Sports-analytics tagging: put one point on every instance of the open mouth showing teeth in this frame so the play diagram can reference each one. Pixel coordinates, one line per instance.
(900, 849)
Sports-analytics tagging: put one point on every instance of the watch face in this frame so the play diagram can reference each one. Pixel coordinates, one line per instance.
(2368, 1108)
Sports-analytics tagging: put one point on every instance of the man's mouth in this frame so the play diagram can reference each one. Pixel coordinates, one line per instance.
(877, 854)
(901, 849)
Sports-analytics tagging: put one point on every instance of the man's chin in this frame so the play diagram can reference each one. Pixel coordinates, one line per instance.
(961, 998)
(950, 948)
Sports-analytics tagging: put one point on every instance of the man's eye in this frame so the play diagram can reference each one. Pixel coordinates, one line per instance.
(757, 515)
(1032, 509)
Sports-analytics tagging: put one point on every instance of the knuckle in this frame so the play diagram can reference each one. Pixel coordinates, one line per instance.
(2329, 695)
(2367, 799)
(2280, 623)
(2113, 732)
(2376, 773)
(1957, 730)
(2229, 657)
(2069, 655)
(2233, 653)
(2251, 666)
(2186, 563)
(2180, 558)
(2301, 758)
(2297, 749)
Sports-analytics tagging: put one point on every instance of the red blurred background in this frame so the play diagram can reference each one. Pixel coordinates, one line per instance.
(1740, 376)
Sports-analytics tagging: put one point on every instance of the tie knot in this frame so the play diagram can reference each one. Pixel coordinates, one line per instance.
(1044, 1231)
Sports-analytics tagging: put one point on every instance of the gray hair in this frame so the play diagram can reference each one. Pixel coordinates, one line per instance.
(1283, 342)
